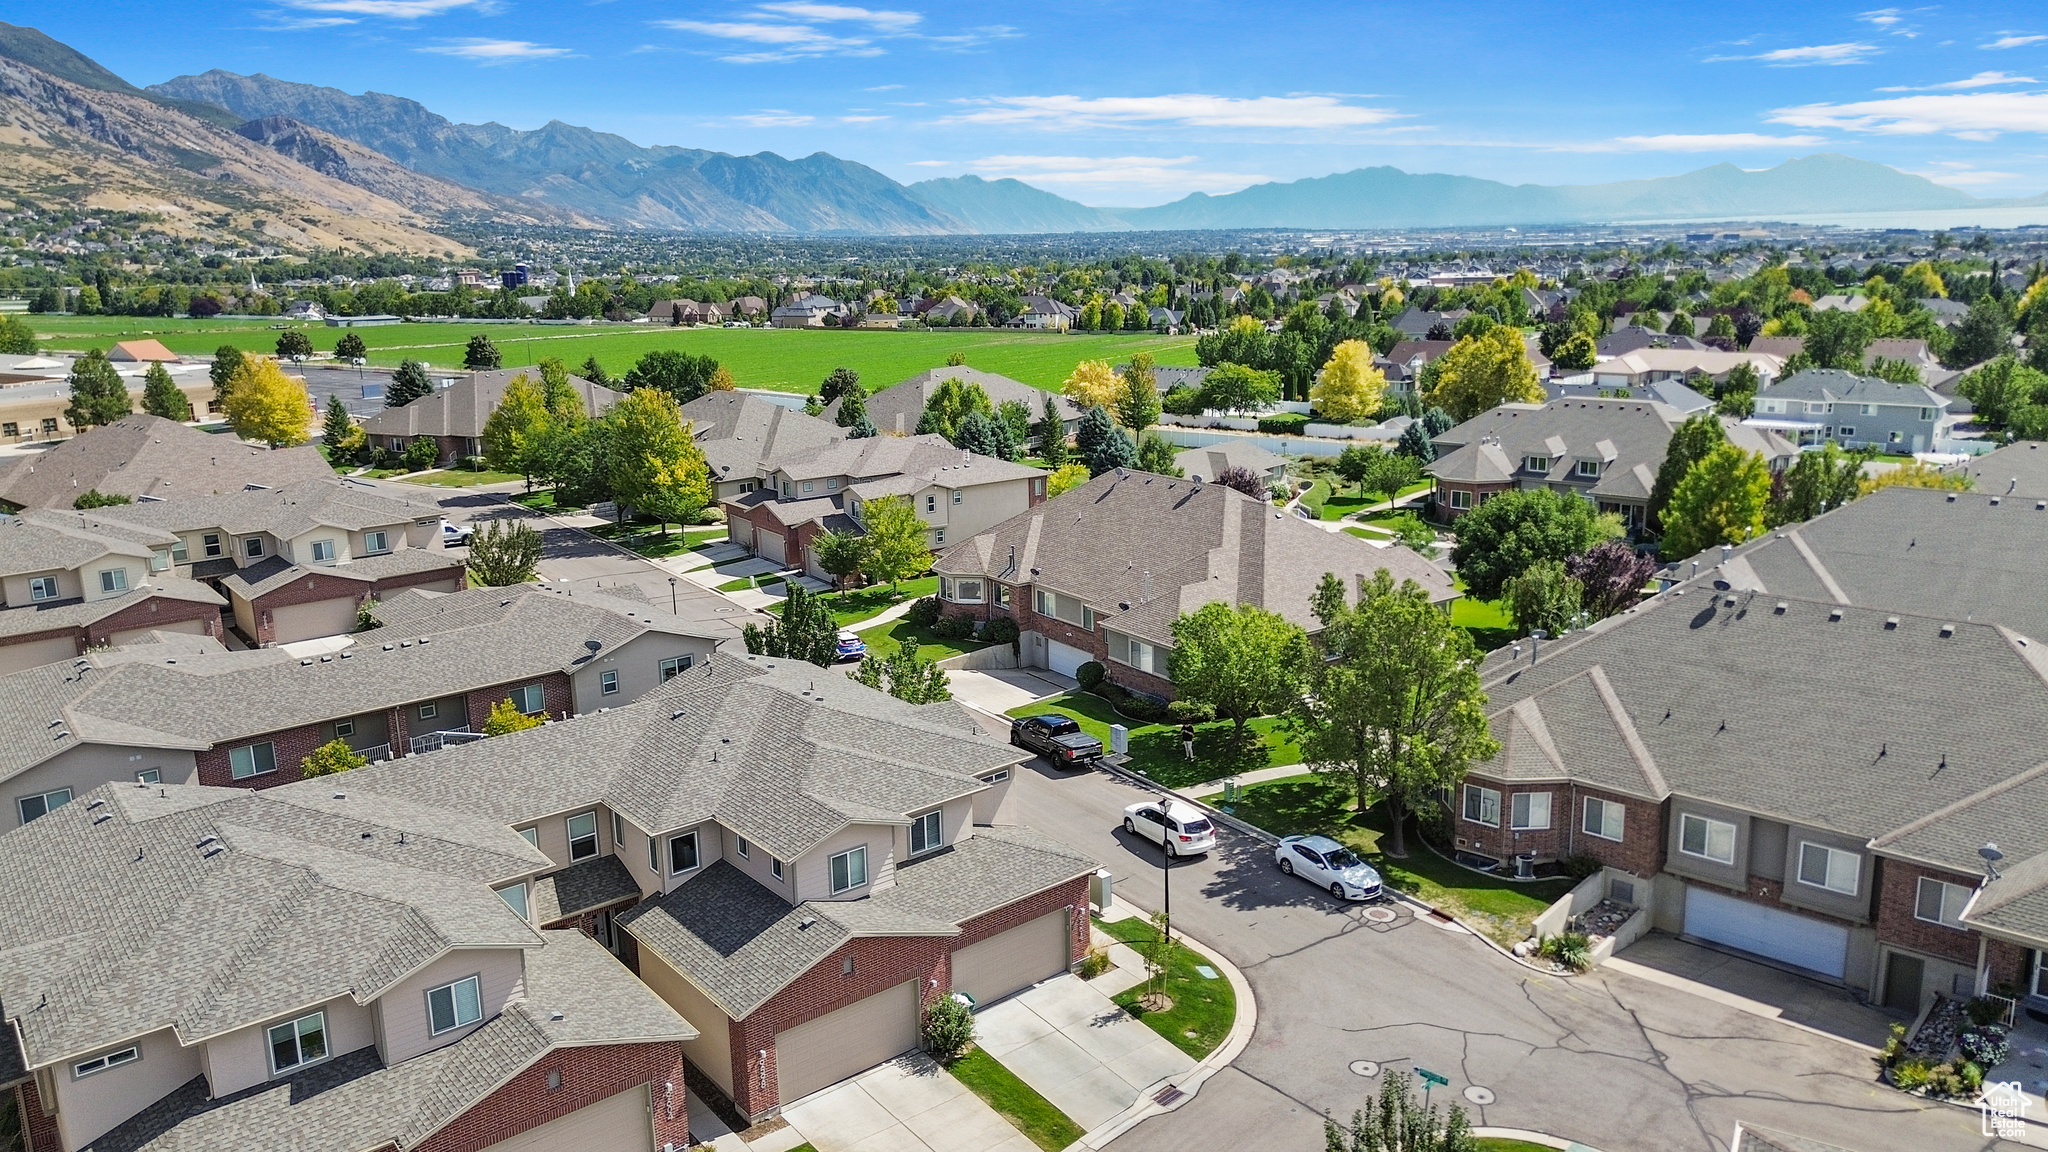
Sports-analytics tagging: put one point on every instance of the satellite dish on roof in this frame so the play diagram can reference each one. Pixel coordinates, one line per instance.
(593, 645)
(1723, 586)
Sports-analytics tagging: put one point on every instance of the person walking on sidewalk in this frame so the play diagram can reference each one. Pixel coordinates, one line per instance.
(1187, 739)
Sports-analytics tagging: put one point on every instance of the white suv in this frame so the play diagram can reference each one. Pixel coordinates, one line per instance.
(1178, 828)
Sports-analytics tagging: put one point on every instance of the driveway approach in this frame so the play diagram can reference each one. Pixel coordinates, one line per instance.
(1619, 1063)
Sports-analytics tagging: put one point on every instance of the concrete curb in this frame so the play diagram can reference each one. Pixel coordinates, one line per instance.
(1241, 1028)
(1523, 1134)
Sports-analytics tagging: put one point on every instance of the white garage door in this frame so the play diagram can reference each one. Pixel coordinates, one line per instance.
(768, 545)
(136, 635)
(615, 1122)
(1780, 935)
(1065, 659)
(319, 618)
(1008, 961)
(853, 1039)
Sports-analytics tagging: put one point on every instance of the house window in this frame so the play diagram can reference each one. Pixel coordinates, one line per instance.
(210, 544)
(741, 846)
(323, 551)
(453, 1005)
(42, 588)
(1815, 409)
(180, 551)
(926, 832)
(1927, 413)
(682, 853)
(1847, 431)
(1529, 811)
(1831, 868)
(608, 683)
(101, 1063)
(1866, 410)
(967, 591)
(1087, 619)
(515, 899)
(1536, 463)
(344, 727)
(297, 1043)
(674, 666)
(253, 547)
(931, 503)
(849, 870)
(150, 776)
(938, 535)
(1604, 818)
(10, 428)
(956, 496)
(531, 836)
(654, 855)
(33, 807)
(996, 777)
(114, 580)
(775, 866)
(375, 542)
(618, 830)
(832, 485)
(1707, 839)
(807, 485)
(49, 425)
(528, 699)
(1482, 805)
(1588, 468)
(1002, 595)
(1940, 903)
(583, 836)
(252, 760)
(429, 710)
(1460, 498)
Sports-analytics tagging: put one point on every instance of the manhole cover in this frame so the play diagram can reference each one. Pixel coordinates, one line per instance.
(1479, 1096)
(1365, 1068)
(1380, 915)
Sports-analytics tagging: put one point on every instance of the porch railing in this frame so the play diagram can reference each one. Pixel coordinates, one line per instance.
(433, 741)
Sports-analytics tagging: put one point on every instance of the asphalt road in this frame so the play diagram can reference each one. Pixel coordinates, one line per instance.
(1616, 1062)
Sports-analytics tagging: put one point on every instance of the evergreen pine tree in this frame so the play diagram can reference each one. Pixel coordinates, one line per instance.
(336, 429)
(1415, 441)
(97, 394)
(481, 355)
(160, 397)
(226, 359)
(1052, 436)
(408, 384)
(1103, 445)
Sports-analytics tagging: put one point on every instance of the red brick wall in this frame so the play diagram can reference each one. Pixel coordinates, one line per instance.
(1640, 850)
(1898, 886)
(1442, 497)
(588, 1075)
(40, 1130)
(879, 962)
(556, 691)
(317, 585)
(156, 612)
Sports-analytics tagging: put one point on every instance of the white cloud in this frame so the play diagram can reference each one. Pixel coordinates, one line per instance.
(1706, 142)
(495, 51)
(2012, 40)
(389, 9)
(776, 118)
(1971, 116)
(860, 119)
(1980, 80)
(841, 12)
(883, 88)
(792, 41)
(1850, 53)
(802, 29)
(1170, 172)
(1189, 109)
(1883, 17)
(1956, 174)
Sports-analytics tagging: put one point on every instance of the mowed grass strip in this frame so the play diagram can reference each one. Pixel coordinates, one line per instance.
(1015, 1101)
(1203, 1009)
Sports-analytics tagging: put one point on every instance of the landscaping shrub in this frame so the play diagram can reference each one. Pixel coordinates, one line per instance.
(421, 453)
(1894, 1046)
(1910, 1074)
(1943, 1080)
(1095, 963)
(1089, 675)
(1972, 1078)
(1571, 949)
(1581, 866)
(953, 628)
(470, 463)
(924, 613)
(1001, 630)
(948, 1029)
(1284, 424)
(1134, 705)
(1985, 1011)
(1986, 1045)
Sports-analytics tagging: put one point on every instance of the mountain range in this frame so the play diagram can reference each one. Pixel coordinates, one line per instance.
(311, 166)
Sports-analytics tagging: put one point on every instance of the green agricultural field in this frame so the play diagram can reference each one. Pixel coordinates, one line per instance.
(794, 360)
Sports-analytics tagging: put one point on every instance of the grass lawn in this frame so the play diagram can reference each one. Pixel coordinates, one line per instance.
(463, 478)
(1501, 1144)
(1203, 1009)
(646, 538)
(1364, 533)
(883, 640)
(543, 500)
(850, 608)
(1487, 620)
(745, 582)
(1155, 748)
(1016, 1101)
(387, 473)
(1303, 804)
(794, 360)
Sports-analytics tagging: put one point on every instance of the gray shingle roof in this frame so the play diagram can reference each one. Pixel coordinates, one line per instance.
(354, 1102)
(741, 943)
(739, 432)
(1836, 386)
(42, 540)
(141, 455)
(462, 408)
(312, 897)
(782, 752)
(582, 887)
(1142, 549)
(897, 408)
(286, 512)
(875, 457)
(2019, 468)
(32, 618)
(275, 572)
(1628, 436)
(1207, 462)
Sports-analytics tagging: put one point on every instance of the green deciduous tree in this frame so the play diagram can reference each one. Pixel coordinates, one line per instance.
(1393, 710)
(1238, 663)
(331, 757)
(1578, 352)
(1914, 474)
(226, 360)
(805, 630)
(905, 676)
(94, 498)
(266, 405)
(351, 348)
(1386, 473)
(1508, 533)
(503, 553)
(837, 383)
(1065, 478)
(1236, 388)
(655, 463)
(1691, 441)
(841, 554)
(949, 404)
(681, 375)
(516, 427)
(1984, 334)
(1351, 386)
(1482, 372)
(1720, 501)
(2002, 387)
(1155, 455)
(295, 345)
(408, 383)
(1544, 596)
(1816, 482)
(160, 397)
(896, 540)
(1836, 339)
(481, 355)
(506, 718)
(16, 337)
(97, 394)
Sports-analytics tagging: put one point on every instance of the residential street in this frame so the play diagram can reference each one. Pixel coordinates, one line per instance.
(1619, 1063)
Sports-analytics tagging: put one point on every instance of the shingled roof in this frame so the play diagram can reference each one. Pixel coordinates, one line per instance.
(461, 408)
(739, 432)
(897, 408)
(1143, 549)
(1628, 437)
(284, 512)
(148, 456)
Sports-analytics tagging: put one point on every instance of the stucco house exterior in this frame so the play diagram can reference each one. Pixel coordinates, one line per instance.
(1819, 405)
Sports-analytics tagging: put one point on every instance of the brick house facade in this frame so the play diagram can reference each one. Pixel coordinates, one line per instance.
(581, 1077)
(1639, 852)
(153, 613)
(318, 585)
(879, 963)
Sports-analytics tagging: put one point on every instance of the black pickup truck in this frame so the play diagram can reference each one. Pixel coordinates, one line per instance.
(1057, 738)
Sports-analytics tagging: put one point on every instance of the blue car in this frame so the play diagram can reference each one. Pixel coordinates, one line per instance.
(851, 647)
(1327, 864)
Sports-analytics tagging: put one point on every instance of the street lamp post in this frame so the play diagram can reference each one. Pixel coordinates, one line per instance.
(673, 610)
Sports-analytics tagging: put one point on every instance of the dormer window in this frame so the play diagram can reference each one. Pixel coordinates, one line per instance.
(42, 588)
(114, 580)
(456, 1005)
(253, 548)
(1588, 468)
(1535, 463)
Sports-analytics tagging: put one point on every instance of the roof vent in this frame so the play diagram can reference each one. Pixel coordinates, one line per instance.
(1834, 613)
(1951, 497)
(806, 923)
(210, 853)
(205, 840)
(346, 655)
(389, 647)
(95, 804)
(426, 639)
(305, 662)
(1781, 607)
(103, 817)
(1891, 622)
(1948, 630)
(1994, 501)
(327, 659)
(341, 795)
(366, 835)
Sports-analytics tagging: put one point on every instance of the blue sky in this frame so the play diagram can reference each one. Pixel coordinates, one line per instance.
(1120, 103)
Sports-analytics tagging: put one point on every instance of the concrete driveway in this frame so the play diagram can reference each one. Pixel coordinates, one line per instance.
(907, 1105)
(997, 690)
(1077, 1048)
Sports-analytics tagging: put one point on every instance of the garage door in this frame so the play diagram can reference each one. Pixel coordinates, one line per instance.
(768, 545)
(319, 618)
(137, 635)
(1784, 936)
(1065, 659)
(838, 1044)
(1009, 961)
(615, 1122)
(15, 657)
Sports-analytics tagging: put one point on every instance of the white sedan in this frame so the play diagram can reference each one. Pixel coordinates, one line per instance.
(1179, 829)
(1327, 864)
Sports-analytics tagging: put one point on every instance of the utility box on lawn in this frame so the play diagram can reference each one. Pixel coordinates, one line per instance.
(1119, 739)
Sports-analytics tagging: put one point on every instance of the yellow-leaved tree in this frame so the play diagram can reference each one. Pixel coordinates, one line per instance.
(1094, 384)
(1482, 372)
(656, 466)
(266, 405)
(1351, 386)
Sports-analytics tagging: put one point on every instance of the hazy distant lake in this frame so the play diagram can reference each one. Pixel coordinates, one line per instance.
(1925, 219)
